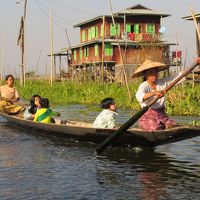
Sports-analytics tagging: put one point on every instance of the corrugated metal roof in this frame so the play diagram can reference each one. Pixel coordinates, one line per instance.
(94, 19)
(141, 10)
(133, 11)
(191, 18)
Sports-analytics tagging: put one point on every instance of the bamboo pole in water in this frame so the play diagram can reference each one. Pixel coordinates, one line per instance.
(103, 49)
(196, 24)
(52, 58)
(120, 52)
(68, 52)
(3, 60)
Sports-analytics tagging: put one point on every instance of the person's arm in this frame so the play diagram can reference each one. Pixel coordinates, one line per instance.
(17, 98)
(148, 95)
(144, 94)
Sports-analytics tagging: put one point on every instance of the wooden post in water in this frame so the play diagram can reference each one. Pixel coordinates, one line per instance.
(21, 44)
(69, 64)
(52, 57)
(103, 50)
(120, 52)
(197, 31)
(3, 60)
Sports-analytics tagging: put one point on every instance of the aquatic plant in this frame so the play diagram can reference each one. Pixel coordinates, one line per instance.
(180, 100)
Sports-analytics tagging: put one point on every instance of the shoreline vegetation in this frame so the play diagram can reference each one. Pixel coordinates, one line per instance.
(181, 100)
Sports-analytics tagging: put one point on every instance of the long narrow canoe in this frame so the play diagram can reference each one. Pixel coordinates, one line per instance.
(84, 132)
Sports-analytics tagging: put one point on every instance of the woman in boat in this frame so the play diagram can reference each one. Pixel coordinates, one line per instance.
(155, 118)
(44, 114)
(8, 91)
(106, 119)
(32, 109)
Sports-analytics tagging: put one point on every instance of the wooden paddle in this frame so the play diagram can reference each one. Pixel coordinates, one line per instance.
(139, 114)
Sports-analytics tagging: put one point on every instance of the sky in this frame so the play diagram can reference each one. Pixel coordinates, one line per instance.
(66, 13)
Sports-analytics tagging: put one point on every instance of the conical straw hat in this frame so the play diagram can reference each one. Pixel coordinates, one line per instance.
(148, 64)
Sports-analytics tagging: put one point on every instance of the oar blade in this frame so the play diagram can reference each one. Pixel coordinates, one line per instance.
(107, 142)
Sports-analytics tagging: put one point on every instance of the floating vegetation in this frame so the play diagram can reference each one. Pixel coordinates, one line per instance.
(180, 100)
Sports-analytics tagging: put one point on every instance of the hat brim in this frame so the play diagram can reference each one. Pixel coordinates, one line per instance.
(147, 65)
(141, 73)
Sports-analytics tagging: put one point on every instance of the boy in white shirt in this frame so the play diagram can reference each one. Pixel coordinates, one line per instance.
(106, 119)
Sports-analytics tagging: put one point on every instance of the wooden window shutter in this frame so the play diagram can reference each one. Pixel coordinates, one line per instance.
(89, 34)
(128, 28)
(150, 28)
(96, 32)
(81, 53)
(112, 30)
(102, 30)
(117, 29)
(96, 48)
(74, 54)
(86, 52)
(83, 36)
(136, 28)
(108, 50)
(93, 32)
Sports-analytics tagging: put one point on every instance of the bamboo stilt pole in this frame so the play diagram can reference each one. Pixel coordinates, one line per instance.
(195, 22)
(197, 29)
(70, 51)
(121, 57)
(52, 57)
(3, 60)
(103, 49)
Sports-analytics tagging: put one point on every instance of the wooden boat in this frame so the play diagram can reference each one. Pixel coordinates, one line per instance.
(84, 132)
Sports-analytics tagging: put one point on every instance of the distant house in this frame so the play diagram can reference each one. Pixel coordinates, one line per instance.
(138, 30)
(198, 22)
(196, 72)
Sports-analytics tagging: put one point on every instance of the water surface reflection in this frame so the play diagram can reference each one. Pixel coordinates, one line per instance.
(40, 167)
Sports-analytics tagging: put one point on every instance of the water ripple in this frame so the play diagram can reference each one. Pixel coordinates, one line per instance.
(37, 167)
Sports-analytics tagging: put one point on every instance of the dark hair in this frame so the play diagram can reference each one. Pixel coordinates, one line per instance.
(105, 103)
(9, 76)
(33, 107)
(45, 103)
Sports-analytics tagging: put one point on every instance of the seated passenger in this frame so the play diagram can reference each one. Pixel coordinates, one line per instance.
(106, 119)
(44, 114)
(32, 109)
(8, 91)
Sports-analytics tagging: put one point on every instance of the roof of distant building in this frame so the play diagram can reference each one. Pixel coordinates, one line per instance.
(137, 10)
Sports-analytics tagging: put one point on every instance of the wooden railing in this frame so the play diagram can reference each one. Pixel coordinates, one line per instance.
(142, 37)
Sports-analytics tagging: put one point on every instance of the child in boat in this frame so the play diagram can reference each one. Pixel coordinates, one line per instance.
(32, 109)
(106, 119)
(44, 114)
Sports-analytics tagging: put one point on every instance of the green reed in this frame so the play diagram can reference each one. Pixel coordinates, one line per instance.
(180, 101)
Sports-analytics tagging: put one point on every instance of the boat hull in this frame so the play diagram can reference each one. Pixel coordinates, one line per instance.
(81, 131)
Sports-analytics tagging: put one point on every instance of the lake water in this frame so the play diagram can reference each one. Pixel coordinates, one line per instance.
(41, 167)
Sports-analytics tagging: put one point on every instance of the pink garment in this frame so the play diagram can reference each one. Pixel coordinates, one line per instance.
(155, 119)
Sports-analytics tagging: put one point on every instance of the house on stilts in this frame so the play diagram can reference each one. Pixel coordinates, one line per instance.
(196, 72)
(139, 32)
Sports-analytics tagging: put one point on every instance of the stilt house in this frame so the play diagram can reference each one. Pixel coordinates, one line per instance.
(138, 30)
